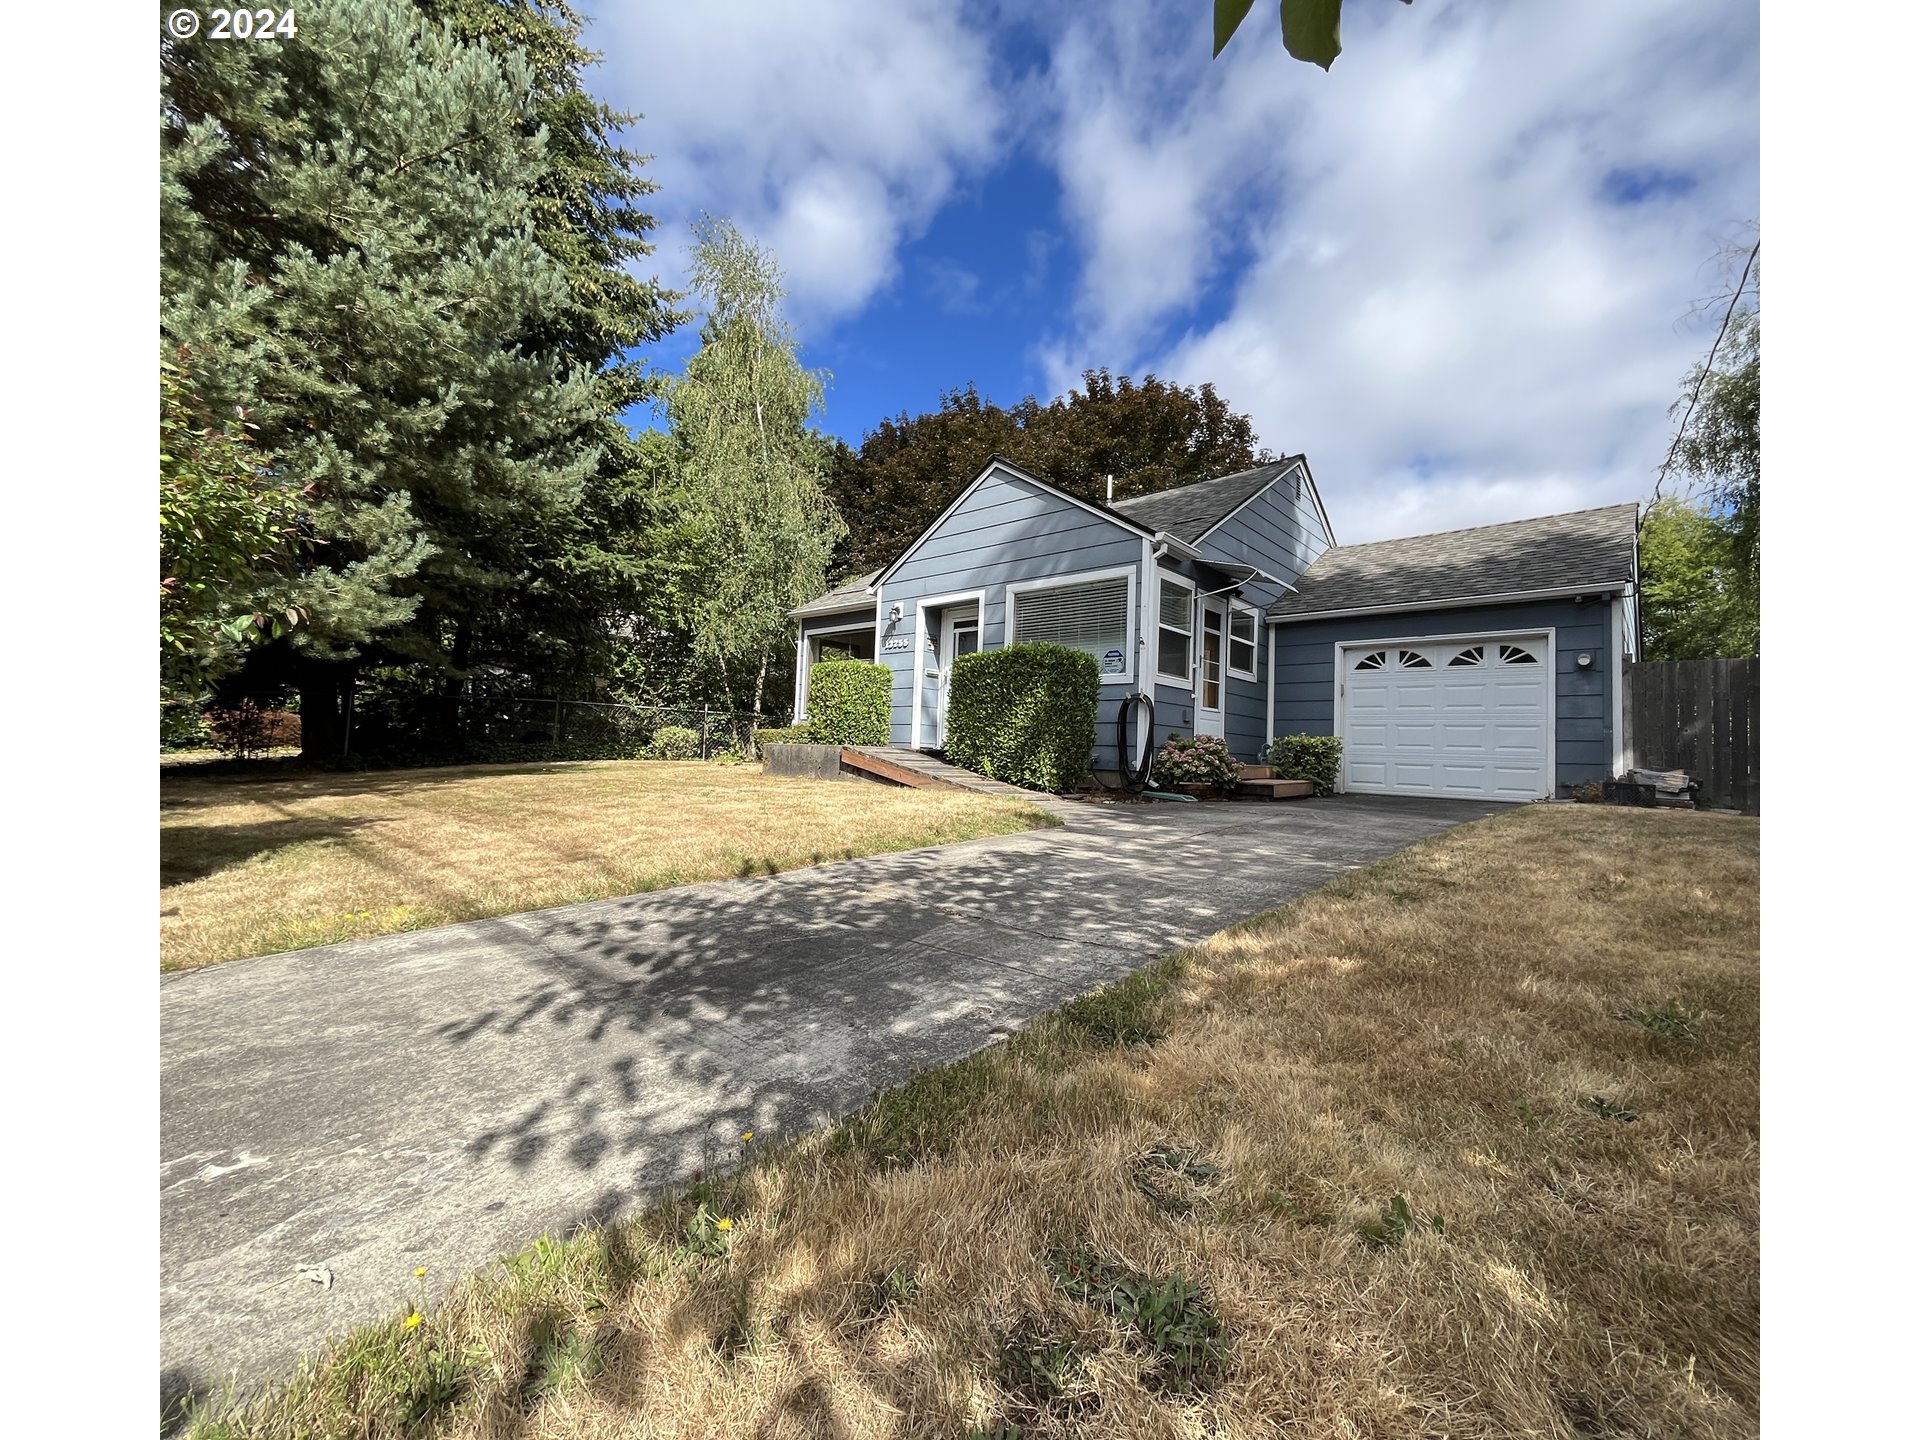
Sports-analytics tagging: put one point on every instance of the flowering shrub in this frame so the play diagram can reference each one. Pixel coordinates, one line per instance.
(1203, 760)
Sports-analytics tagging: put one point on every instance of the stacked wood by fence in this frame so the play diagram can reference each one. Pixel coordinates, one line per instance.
(1700, 716)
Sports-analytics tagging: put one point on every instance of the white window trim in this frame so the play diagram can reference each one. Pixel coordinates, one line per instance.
(1237, 606)
(1087, 577)
(1178, 682)
(917, 686)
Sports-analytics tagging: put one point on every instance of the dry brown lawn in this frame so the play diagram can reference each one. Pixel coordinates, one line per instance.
(1170, 1210)
(252, 865)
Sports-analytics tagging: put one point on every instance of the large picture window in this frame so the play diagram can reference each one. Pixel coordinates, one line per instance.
(1176, 631)
(1089, 615)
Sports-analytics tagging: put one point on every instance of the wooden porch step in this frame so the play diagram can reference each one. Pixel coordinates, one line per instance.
(1262, 787)
(1256, 772)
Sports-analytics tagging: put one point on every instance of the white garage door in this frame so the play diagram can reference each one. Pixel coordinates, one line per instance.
(1467, 717)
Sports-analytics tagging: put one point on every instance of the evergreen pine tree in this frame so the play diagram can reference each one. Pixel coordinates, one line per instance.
(607, 568)
(349, 252)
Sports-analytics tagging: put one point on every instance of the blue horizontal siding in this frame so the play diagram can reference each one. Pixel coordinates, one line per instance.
(1005, 532)
(1280, 534)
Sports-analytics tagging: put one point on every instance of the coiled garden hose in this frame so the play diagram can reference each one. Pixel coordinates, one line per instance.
(1138, 776)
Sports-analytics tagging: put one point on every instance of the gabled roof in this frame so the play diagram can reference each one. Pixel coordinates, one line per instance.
(1192, 510)
(1555, 554)
(1000, 462)
(847, 595)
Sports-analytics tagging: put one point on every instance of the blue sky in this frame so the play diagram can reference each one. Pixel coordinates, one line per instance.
(1456, 270)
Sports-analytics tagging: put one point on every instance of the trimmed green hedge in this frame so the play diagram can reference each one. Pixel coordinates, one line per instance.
(850, 702)
(787, 735)
(1308, 757)
(1024, 714)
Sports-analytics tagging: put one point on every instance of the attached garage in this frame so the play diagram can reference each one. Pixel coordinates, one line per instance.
(1482, 664)
(1469, 716)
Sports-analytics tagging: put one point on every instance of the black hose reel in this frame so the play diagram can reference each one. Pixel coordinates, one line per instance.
(1131, 708)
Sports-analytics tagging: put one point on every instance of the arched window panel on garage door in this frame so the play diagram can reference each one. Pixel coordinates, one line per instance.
(1414, 660)
(1375, 660)
(1518, 655)
(1472, 655)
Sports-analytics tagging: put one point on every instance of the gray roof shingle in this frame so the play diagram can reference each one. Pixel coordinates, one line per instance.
(1192, 510)
(1573, 551)
(847, 595)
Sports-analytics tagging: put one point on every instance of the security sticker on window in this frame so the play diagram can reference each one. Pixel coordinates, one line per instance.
(1113, 663)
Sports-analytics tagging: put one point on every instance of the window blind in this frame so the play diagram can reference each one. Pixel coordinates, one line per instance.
(1090, 617)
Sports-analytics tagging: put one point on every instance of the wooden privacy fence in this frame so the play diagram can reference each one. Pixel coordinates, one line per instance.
(1700, 716)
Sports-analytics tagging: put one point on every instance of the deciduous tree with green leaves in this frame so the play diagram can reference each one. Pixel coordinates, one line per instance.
(1708, 551)
(749, 477)
(1697, 596)
(227, 526)
(1310, 29)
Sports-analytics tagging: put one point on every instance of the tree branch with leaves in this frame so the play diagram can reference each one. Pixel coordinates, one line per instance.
(1310, 29)
(750, 473)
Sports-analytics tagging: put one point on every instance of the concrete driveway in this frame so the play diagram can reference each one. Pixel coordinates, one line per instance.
(439, 1097)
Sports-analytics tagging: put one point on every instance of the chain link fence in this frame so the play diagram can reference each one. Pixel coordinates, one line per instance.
(610, 731)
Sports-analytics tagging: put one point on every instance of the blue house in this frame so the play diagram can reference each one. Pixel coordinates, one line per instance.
(1482, 662)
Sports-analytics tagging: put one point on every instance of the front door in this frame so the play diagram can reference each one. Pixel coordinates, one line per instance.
(959, 635)
(1210, 696)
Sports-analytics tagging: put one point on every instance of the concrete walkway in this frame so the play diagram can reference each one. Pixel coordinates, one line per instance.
(439, 1097)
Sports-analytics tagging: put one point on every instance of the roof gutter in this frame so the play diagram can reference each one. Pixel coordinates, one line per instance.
(813, 608)
(1456, 602)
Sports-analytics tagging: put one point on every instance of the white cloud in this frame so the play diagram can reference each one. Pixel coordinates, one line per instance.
(830, 133)
(1425, 289)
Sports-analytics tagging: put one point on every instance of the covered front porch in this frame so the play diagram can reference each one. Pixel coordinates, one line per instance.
(851, 638)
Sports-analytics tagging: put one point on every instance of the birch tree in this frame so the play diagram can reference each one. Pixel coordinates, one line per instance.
(751, 470)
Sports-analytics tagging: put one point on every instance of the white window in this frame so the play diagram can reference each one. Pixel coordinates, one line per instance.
(1176, 630)
(1241, 649)
(1094, 614)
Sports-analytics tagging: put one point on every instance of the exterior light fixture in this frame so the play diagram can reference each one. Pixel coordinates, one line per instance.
(1585, 660)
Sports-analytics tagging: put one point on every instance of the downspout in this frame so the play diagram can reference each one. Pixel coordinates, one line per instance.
(1273, 649)
(800, 676)
(1149, 647)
